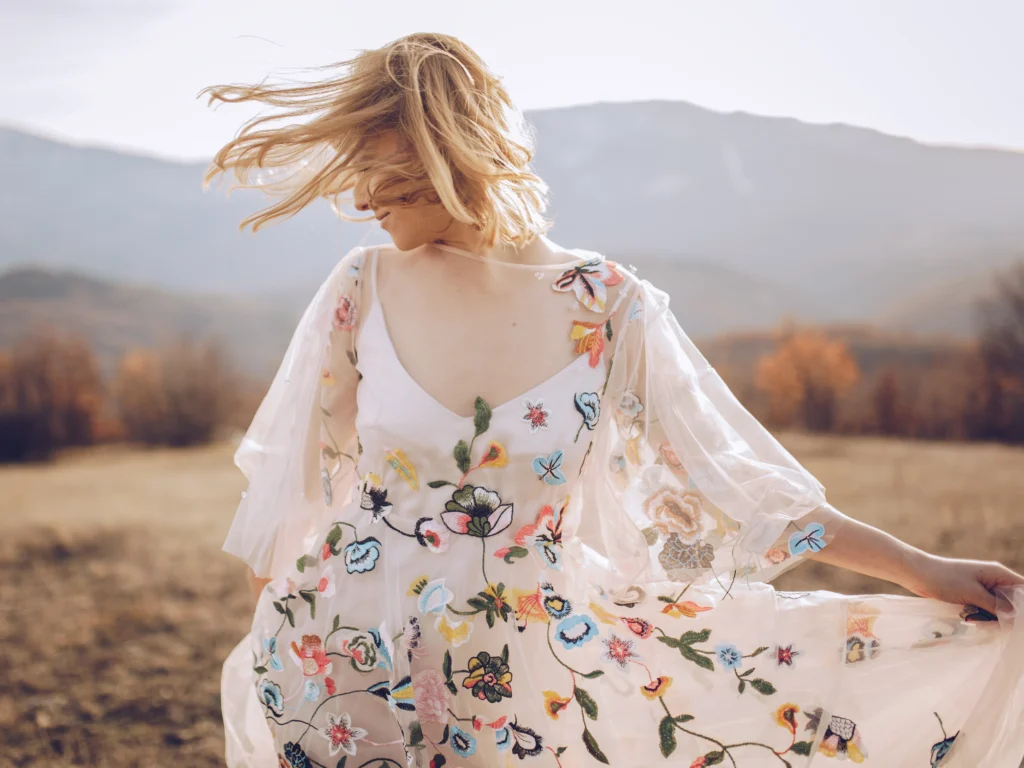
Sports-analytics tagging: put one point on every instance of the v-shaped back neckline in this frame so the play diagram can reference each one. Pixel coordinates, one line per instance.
(377, 313)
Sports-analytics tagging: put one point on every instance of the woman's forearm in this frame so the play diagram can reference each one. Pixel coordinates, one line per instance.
(865, 549)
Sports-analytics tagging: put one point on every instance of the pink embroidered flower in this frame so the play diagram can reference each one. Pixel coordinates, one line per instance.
(536, 415)
(670, 456)
(311, 656)
(345, 314)
(341, 734)
(776, 555)
(700, 762)
(639, 627)
(673, 511)
(433, 535)
(431, 696)
(331, 687)
(326, 551)
(326, 585)
(619, 650)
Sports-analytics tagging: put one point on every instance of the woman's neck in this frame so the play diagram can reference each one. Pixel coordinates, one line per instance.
(540, 251)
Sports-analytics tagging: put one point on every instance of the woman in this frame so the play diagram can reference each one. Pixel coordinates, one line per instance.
(511, 515)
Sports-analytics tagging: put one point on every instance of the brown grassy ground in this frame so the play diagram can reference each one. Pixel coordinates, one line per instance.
(117, 606)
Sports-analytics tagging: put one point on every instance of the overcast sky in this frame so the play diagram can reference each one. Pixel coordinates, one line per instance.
(126, 73)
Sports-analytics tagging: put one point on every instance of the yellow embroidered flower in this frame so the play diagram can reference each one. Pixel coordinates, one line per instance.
(656, 688)
(456, 633)
(401, 464)
(786, 716)
(688, 608)
(417, 586)
(494, 456)
(602, 615)
(554, 704)
(529, 607)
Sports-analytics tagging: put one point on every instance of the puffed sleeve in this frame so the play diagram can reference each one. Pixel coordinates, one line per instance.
(686, 485)
(298, 454)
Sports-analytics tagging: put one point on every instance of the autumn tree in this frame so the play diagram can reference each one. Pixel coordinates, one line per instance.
(1001, 346)
(805, 378)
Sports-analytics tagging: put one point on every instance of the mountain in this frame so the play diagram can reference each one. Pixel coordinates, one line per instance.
(117, 317)
(741, 218)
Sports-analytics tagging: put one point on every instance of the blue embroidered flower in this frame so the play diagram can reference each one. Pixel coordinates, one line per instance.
(270, 695)
(575, 631)
(549, 468)
(589, 406)
(270, 646)
(383, 652)
(810, 538)
(729, 656)
(434, 597)
(312, 692)
(941, 749)
(361, 556)
(295, 756)
(462, 743)
(503, 738)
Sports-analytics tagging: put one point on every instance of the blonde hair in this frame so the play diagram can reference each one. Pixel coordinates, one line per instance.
(471, 148)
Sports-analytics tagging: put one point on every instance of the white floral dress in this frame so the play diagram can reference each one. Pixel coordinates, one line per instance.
(576, 576)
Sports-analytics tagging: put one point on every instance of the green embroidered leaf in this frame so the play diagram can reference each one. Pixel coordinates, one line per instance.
(666, 599)
(591, 744)
(671, 642)
(504, 654)
(291, 616)
(587, 704)
(762, 686)
(337, 623)
(279, 607)
(334, 536)
(441, 484)
(451, 687)
(748, 672)
(444, 735)
(477, 603)
(310, 597)
(760, 650)
(689, 638)
(514, 553)
(608, 328)
(462, 456)
(743, 685)
(714, 758)
(446, 665)
(341, 763)
(482, 418)
(697, 658)
(415, 733)
(260, 670)
(303, 562)
(490, 617)
(559, 751)
(667, 735)
(594, 675)
(684, 718)
(801, 748)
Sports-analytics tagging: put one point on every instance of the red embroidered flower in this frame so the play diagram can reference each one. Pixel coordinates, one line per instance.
(639, 627)
(345, 314)
(785, 655)
(619, 650)
(331, 687)
(700, 762)
(311, 656)
(536, 415)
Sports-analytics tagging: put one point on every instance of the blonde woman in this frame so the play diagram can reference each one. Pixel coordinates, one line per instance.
(501, 510)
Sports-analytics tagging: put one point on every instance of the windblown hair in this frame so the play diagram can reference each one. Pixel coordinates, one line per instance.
(469, 147)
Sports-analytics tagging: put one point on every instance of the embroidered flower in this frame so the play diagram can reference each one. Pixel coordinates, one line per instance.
(270, 695)
(576, 631)
(629, 597)
(431, 696)
(729, 656)
(326, 585)
(361, 649)
(686, 608)
(670, 457)
(544, 535)
(554, 704)
(434, 597)
(412, 638)
(330, 686)
(861, 648)
(549, 468)
(375, 498)
(311, 656)
(341, 734)
(811, 538)
(270, 647)
(589, 406)
(785, 655)
(590, 282)
(403, 695)
(589, 337)
(639, 627)
(619, 650)
(656, 688)
(776, 555)
(631, 404)
(476, 512)
(786, 716)
(489, 678)
(361, 556)
(529, 608)
(556, 605)
(941, 749)
(311, 692)
(676, 512)
(344, 318)
(462, 743)
(295, 756)
(528, 742)
(405, 469)
(494, 456)
(677, 555)
(842, 737)
(536, 415)
(432, 535)
(455, 633)
(503, 738)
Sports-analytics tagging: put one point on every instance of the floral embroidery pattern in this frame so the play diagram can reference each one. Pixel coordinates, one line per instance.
(590, 282)
(589, 406)
(548, 468)
(536, 415)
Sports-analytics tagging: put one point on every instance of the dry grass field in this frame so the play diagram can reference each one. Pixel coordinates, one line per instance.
(117, 605)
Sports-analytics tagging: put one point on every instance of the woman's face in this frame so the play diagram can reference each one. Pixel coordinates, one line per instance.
(411, 224)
